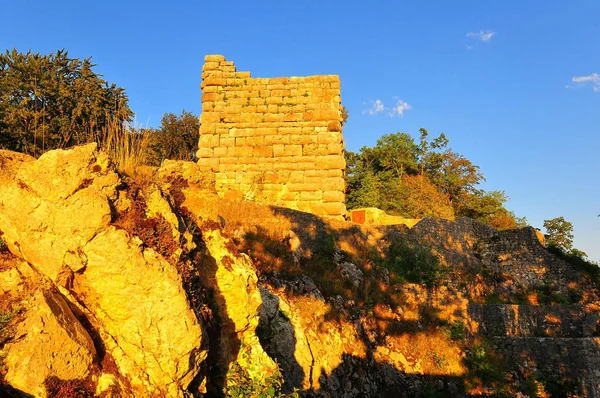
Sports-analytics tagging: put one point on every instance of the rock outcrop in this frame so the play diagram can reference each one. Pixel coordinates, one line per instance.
(156, 286)
(50, 342)
(61, 224)
(233, 281)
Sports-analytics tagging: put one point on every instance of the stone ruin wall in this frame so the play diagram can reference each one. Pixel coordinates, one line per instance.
(273, 140)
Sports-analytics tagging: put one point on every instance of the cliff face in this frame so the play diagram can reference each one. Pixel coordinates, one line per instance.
(155, 286)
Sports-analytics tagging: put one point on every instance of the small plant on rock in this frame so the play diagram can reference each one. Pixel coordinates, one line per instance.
(456, 330)
(3, 247)
(414, 263)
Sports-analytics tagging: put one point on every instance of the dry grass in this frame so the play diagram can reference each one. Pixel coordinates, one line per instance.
(127, 145)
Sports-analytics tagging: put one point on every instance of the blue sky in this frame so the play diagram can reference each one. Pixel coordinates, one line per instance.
(496, 76)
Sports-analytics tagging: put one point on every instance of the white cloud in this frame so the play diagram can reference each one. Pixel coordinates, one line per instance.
(377, 107)
(593, 80)
(396, 110)
(400, 107)
(483, 35)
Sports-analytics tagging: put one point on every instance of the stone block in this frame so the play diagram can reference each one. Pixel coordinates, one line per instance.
(334, 126)
(292, 150)
(213, 81)
(329, 137)
(333, 196)
(334, 209)
(296, 176)
(301, 187)
(334, 149)
(331, 162)
(204, 153)
(208, 141)
(214, 58)
(289, 196)
(278, 150)
(208, 128)
(274, 117)
(274, 100)
(304, 165)
(311, 196)
(208, 163)
(220, 151)
(210, 117)
(263, 151)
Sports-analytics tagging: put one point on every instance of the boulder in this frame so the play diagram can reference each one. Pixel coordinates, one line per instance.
(49, 342)
(46, 220)
(137, 298)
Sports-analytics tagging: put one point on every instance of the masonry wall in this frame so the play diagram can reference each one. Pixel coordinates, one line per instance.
(273, 140)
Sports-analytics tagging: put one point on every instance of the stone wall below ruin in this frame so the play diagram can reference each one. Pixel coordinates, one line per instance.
(273, 140)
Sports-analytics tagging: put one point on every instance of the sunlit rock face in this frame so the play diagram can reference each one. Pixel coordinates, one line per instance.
(156, 286)
(50, 342)
(56, 214)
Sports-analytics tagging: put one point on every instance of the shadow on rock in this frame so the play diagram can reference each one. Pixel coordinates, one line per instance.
(278, 339)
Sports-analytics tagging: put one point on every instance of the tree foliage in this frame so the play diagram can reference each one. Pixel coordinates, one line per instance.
(559, 233)
(53, 101)
(413, 179)
(176, 138)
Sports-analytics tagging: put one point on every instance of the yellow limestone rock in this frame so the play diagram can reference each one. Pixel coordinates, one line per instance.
(137, 297)
(55, 213)
(49, 342)
(238, 298)
(51, 207)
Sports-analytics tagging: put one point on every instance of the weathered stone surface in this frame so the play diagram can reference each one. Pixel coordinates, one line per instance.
(534, 321)
(232, 278)
(50, 341)
(283, 338)
(134, 297)
(351, 272)
(138, 299)
(264, 126)
(173, 171)
(47, 220)
(566, 359)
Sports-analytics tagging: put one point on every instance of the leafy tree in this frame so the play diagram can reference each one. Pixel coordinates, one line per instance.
(455, 176)
(417, 197)
(413, 179)
(395, 154)
(427, 156)
(53, 101)
(560, 233)
(177, 137)
(488, 207)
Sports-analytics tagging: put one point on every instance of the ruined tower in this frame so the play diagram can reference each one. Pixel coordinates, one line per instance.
(273, 140)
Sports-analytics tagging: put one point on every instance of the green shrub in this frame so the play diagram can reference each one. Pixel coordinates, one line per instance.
(456, 330)
(3, 247)
(241, 385)
(484, 364)
(494, 298)
(414, 263)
